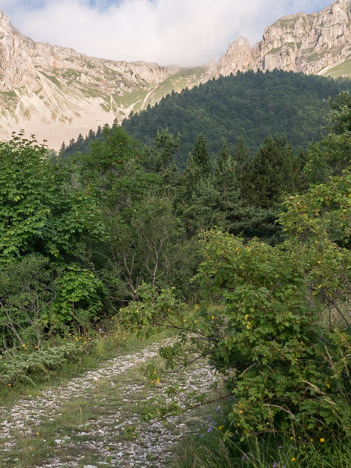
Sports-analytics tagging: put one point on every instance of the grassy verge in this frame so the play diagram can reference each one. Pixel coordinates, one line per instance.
(88, 354)
(213, 450)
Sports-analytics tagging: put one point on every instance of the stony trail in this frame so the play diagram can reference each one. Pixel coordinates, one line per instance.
(105, 417)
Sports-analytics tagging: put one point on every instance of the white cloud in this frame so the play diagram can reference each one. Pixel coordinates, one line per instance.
(186, 32)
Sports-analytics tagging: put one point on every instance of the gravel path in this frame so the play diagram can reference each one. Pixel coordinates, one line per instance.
(119, 436)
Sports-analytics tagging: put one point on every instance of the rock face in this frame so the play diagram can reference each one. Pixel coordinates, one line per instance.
(312, 44)
(238, 57)
(57, 93)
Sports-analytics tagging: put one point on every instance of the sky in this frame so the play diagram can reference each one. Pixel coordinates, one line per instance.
(183, 32)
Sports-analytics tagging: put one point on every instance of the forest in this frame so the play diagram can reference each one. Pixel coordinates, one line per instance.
(244, 253)
(249, 105)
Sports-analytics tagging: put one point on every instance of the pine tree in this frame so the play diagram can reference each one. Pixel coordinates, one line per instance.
(201, 156)
(273, 172)
(225, 177)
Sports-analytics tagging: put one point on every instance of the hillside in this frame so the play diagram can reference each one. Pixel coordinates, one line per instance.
(250, 104)
(57, 93)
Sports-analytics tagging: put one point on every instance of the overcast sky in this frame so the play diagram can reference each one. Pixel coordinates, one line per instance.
(185, 32)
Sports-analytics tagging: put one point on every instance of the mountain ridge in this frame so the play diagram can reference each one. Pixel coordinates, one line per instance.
(309, 43)
(57, 93)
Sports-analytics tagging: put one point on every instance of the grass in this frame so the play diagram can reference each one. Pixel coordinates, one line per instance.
(275, 51)
(105, 346)
(8, 94)
(136, 97)
(53, 79)
(188, 77)
(93, 93)
(211, 452)
(343, 69)
(269, 451)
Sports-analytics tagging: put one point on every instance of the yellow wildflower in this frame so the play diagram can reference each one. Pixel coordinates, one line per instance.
(322, 440)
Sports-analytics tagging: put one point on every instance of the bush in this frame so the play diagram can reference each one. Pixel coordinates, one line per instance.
(275, 321)
(286, 371)
(16, 366)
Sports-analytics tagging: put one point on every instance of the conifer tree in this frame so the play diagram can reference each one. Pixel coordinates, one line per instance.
(274, 171)
(225, 177)
(201, 156)
(332, 155)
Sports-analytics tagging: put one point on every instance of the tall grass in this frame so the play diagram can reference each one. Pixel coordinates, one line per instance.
(28, 370)
(272, 451)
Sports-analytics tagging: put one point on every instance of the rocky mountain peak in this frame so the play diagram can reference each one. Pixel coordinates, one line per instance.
(239, 56)
(57, 93)
(305, 43)
(4, 19)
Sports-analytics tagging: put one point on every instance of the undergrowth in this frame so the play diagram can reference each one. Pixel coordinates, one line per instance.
(213, 448)
(27, 371)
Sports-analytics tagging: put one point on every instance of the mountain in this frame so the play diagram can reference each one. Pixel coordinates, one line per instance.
(57, 93)
(318, 43)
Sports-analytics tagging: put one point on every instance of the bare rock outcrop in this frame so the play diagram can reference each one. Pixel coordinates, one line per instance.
(239, 56)
(311, 44)
(57, 93)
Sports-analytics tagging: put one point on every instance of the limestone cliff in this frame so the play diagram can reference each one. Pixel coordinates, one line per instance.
(312, 44)
(57, 93)
(238, 57)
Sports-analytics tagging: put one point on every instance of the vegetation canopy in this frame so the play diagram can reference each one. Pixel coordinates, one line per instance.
(246, 257)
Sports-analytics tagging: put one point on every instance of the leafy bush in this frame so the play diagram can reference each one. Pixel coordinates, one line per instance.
(40, 210)
(286, 372)
(26, 294)
(275, 321)
(153, 310)
(79, 297)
